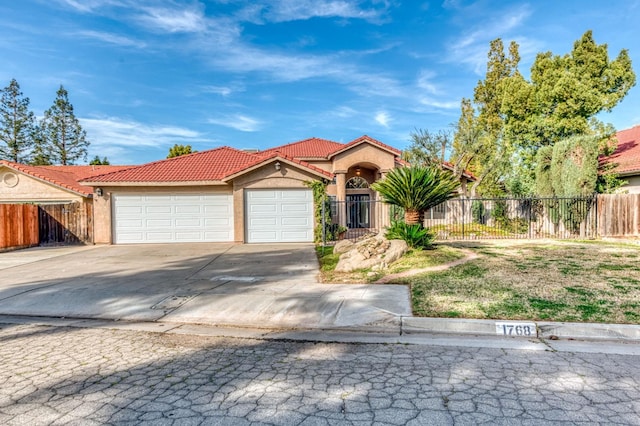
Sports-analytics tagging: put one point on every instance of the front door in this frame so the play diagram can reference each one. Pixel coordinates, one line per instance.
(358, 211)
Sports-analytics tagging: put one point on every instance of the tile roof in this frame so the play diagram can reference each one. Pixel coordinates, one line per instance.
(277, 155)
(362, 139)
(627, 154)
(66, 177)
(307, 148)
(224, 163)
(211, 165)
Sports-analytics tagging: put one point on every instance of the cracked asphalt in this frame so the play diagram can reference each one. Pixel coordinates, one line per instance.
(67, 376)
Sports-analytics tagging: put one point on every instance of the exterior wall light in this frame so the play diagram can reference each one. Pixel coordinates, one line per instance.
(358, 171)
(277, 165)
(99, 192)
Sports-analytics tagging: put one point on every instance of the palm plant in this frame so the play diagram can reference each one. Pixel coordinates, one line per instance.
(416, 189)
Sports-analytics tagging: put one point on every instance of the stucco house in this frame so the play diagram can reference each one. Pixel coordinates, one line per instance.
(627, 159)
(218, 195)
(225, 194)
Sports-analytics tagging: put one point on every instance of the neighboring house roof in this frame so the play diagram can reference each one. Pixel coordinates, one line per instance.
(65, 177)
(450, 166)
(627, 154)
(219, 164)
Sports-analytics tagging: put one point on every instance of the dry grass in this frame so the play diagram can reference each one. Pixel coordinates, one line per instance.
(553, 280)
(414, 259)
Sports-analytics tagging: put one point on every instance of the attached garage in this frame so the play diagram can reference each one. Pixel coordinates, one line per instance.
(279, 215)
(172, 217)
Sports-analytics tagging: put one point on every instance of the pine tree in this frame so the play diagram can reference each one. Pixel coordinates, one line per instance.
(17, 125)
(62, 134)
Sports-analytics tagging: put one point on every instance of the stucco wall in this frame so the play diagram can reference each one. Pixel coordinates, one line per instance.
(633, 185)
(102, 207)
(364, 154)
(28, 189)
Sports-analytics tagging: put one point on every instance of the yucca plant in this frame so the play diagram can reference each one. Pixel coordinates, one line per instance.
(416, 189)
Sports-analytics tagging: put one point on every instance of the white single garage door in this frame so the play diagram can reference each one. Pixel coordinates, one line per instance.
(282, 215)
(168, 218)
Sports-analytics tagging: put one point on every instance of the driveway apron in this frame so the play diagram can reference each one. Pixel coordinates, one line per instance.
(259, 285)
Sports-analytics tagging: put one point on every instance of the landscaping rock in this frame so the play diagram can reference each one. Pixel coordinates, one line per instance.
(343, 246)
(375, 253)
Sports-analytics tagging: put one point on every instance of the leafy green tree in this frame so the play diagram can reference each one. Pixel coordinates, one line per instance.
(17, 125)
(178, 150)
(98, 162)
(427, 149)
(564, 95)
(62, 136)
(416, 189)
(479, 142)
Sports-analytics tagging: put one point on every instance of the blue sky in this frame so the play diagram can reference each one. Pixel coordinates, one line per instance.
(143, 75)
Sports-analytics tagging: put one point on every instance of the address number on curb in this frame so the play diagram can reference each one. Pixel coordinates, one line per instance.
(523, 329)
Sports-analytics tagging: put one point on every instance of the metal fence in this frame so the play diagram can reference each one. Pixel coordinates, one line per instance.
(471, 218)
(514, 218)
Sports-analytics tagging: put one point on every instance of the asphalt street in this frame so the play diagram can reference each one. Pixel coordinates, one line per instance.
(84, 376)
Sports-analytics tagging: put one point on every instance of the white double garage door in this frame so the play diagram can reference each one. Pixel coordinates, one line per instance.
(283, 215)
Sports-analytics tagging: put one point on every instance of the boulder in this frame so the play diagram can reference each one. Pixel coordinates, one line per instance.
(343, 246)
(375, 253)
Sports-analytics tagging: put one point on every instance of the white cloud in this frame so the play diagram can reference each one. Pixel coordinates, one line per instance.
(88, 6)
(108, 132)
(239, 122)
(301, 10)
(425, 82)
(296, 10)
(174, 20)
(344, 112)
(430, 102)
(111, 38)
(472, 47)
(383, 118)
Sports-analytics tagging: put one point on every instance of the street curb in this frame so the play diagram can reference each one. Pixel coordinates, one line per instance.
(544, 330)
(406, 326)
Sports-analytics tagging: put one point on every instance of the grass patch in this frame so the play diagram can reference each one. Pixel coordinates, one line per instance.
(518, 280)
(414, 259)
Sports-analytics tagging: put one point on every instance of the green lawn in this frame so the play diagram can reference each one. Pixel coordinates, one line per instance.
(552, 281)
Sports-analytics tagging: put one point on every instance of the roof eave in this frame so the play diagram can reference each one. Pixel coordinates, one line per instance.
(323, 174)
(367, 141)
(156, 183)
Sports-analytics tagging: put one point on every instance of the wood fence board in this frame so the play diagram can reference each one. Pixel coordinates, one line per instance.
(18, 226)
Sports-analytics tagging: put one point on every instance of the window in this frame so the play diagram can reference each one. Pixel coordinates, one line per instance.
(357, 182)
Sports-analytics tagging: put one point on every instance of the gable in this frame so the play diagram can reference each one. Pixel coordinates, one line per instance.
(16, 186)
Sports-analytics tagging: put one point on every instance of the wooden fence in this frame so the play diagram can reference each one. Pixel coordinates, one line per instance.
(28, 225)
(18, 226)
(66, 223)
(619, 215)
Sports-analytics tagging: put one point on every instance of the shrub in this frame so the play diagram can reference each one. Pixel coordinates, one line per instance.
(478, 211)
(416, 235)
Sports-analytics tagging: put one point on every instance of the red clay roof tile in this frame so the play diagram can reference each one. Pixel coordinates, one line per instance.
(209, 165)
(627, 154)
(307, 148)
(66, 177)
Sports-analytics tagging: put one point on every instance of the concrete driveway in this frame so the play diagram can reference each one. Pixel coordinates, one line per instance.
(270, 286)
